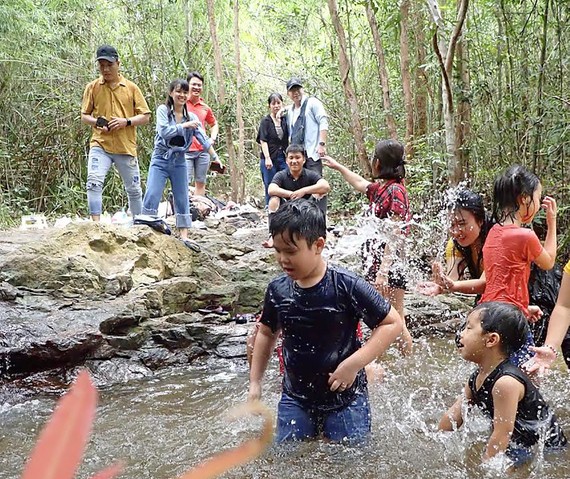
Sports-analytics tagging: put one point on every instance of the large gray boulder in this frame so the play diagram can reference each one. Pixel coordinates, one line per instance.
(127, 301)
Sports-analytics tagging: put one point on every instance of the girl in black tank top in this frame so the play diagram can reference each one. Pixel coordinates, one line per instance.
(521, 418)
(534, 417)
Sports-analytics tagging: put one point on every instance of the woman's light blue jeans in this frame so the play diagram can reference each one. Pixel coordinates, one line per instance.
(171, 168)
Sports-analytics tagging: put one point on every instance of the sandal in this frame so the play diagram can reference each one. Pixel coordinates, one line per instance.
(192, 245)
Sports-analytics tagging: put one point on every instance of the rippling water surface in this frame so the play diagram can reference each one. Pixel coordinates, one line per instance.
(162, 426)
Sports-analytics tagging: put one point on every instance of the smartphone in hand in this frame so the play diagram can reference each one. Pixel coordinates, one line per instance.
(102, 122)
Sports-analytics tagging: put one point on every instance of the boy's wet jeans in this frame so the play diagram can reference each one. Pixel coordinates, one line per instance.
(97, 167)
(350, 424)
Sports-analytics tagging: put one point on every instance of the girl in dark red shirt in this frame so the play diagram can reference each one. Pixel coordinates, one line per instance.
(388, 200)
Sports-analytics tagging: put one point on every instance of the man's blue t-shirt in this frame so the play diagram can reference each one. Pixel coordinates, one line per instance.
(319, 331)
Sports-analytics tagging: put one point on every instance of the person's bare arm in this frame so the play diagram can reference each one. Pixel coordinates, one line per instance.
(321, 187)
(547, 258)
(265, 150)
(353, 179)
(275, 190)
(88, 119)
(453, 417)
(262, 349)
(382, 336)
(468, 286)
(214, 130)
(117, 123)
(557, 327)
(507, 392)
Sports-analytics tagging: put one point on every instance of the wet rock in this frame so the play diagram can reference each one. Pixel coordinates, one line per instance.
(96, 259)
(156, 358)
(173, 338)
(8, 292)
(116, 370)
(125, 302)
(131, 341)
(441, 314)
(37, 357)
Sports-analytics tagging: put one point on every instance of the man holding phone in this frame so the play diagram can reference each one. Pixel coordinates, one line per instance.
(113, 106)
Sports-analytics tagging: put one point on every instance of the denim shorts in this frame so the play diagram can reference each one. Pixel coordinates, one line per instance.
(198, 165)
(350, 424)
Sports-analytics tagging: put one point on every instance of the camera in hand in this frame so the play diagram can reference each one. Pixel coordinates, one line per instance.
(102, 122)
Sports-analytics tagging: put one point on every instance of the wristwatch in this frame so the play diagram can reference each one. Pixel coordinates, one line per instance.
(129, 122)
(322, 143)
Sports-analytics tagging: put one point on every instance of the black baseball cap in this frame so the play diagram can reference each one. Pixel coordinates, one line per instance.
(293, 82)
(107, 52)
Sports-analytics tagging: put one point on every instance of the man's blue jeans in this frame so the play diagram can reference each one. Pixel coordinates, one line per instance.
(97, 167)
(267, 175)
(174, 169)
(351, 424)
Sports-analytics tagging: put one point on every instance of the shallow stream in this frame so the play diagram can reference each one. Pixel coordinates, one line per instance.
(162, 426)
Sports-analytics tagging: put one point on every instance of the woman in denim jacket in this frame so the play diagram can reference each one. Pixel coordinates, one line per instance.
(175, 129)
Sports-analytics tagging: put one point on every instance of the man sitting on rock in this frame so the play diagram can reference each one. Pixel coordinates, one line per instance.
(295, 182)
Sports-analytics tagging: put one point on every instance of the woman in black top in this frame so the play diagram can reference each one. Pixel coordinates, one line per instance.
(273, 136)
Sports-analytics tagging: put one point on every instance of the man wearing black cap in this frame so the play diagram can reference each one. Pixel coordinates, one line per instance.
(308, 125)
(316, 124)
(113, 106)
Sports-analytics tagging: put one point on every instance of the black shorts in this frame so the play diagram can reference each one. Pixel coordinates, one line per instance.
(396, 276)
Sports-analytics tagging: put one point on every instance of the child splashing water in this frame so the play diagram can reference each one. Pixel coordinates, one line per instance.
(317, 306)
(504, 393)
(510, 248)
(388, 201)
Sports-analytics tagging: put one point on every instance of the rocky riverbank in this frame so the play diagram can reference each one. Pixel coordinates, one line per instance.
(124, 302)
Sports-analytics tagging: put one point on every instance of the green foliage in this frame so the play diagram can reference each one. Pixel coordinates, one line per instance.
(47, 58)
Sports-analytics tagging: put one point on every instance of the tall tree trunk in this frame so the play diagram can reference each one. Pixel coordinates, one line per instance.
(187, 31)
(344, 66)
(445, 54)
(537, 138)
(222, 97)
(510, 85)
(421, 85)
(406, 80)
(463, 123)
(382, 71)
(240, 161)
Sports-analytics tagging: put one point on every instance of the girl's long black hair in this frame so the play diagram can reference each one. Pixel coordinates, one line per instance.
(514, 182)
(184, 86)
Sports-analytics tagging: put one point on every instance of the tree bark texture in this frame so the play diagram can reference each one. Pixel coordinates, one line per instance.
(222, 97)
(463, 122)
(382, 71)
(421, 84)
(537, 137)
(240, 160)
(344, 66)
(445, 53)
(406, 80)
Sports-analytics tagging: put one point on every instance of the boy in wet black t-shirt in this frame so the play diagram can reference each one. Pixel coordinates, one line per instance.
(317, 307)
(503, 391)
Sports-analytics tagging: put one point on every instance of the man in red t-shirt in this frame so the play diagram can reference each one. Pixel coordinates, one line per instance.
(199, 159)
